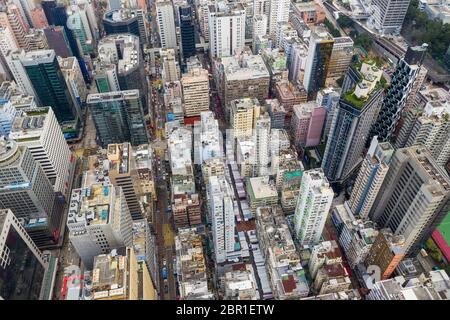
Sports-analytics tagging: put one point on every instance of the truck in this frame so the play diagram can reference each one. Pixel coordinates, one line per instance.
(164, 273)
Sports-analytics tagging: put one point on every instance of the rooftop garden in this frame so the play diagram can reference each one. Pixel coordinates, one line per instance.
(352, 99)
(37, 112)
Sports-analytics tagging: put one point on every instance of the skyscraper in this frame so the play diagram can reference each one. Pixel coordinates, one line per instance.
(121, 66)
(38, 130)
(166, 24)
(370, 177)
(57, 40)
(318, 61)
(124, 21)
(187, 29)
(358, 107)
(221, 208)
(226, 29)
(402, 81)
(26, 190)
(22, 264)
(313, 204)
(118, 117)
(414, 197)
(48, 81)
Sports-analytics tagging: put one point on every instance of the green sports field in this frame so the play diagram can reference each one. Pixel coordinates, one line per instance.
(444, 228)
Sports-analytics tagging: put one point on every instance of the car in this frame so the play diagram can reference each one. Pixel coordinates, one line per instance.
(166, 289)
(164, 262)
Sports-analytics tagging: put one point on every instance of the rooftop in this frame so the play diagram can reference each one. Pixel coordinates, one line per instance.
(244, 66)
(262, 188)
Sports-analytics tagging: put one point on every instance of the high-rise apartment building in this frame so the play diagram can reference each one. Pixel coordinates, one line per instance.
(358, 108)
(38, 130)
(17, 23)
(402, 82)
(74, 80)
(226, 29)
(195, 85)
(318, 61)
(170, 68)
(430, 127)
(259, 29)
(118, 117)
(243, 76)
(242, 115)
(48, 81)
(278, 12)
(414, 197)
(370, 177)
(221, 196)
(313, 204)
(388, 15)
(98, 221)
(166, 24)
(286, 275)
(38, 18)
(307, 123)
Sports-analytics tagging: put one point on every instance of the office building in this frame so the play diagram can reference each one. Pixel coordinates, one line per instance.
(118, 275)
(57, 40)
(187, 30)
(386, 252)
(120, 66)
(38, 130)
(402, 81)
(195, 85)
(166, 24)
(78, 23)
(370, 178)
(313, 205)
(98, 221)
(191, 266)
(26, 190)
(287, 277)
(318, 61)
(226, 29)
(307, 123)
(22, 264)
(48, 81)
(341, 56)
(74, 80)
(13, 60)
(125, 21)
(414, 197)
(352, 120)
(220, 200)
(118, 117)
(388, 16)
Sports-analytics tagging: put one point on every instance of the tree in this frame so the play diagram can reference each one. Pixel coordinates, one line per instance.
(345, 22)
(363, 40)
